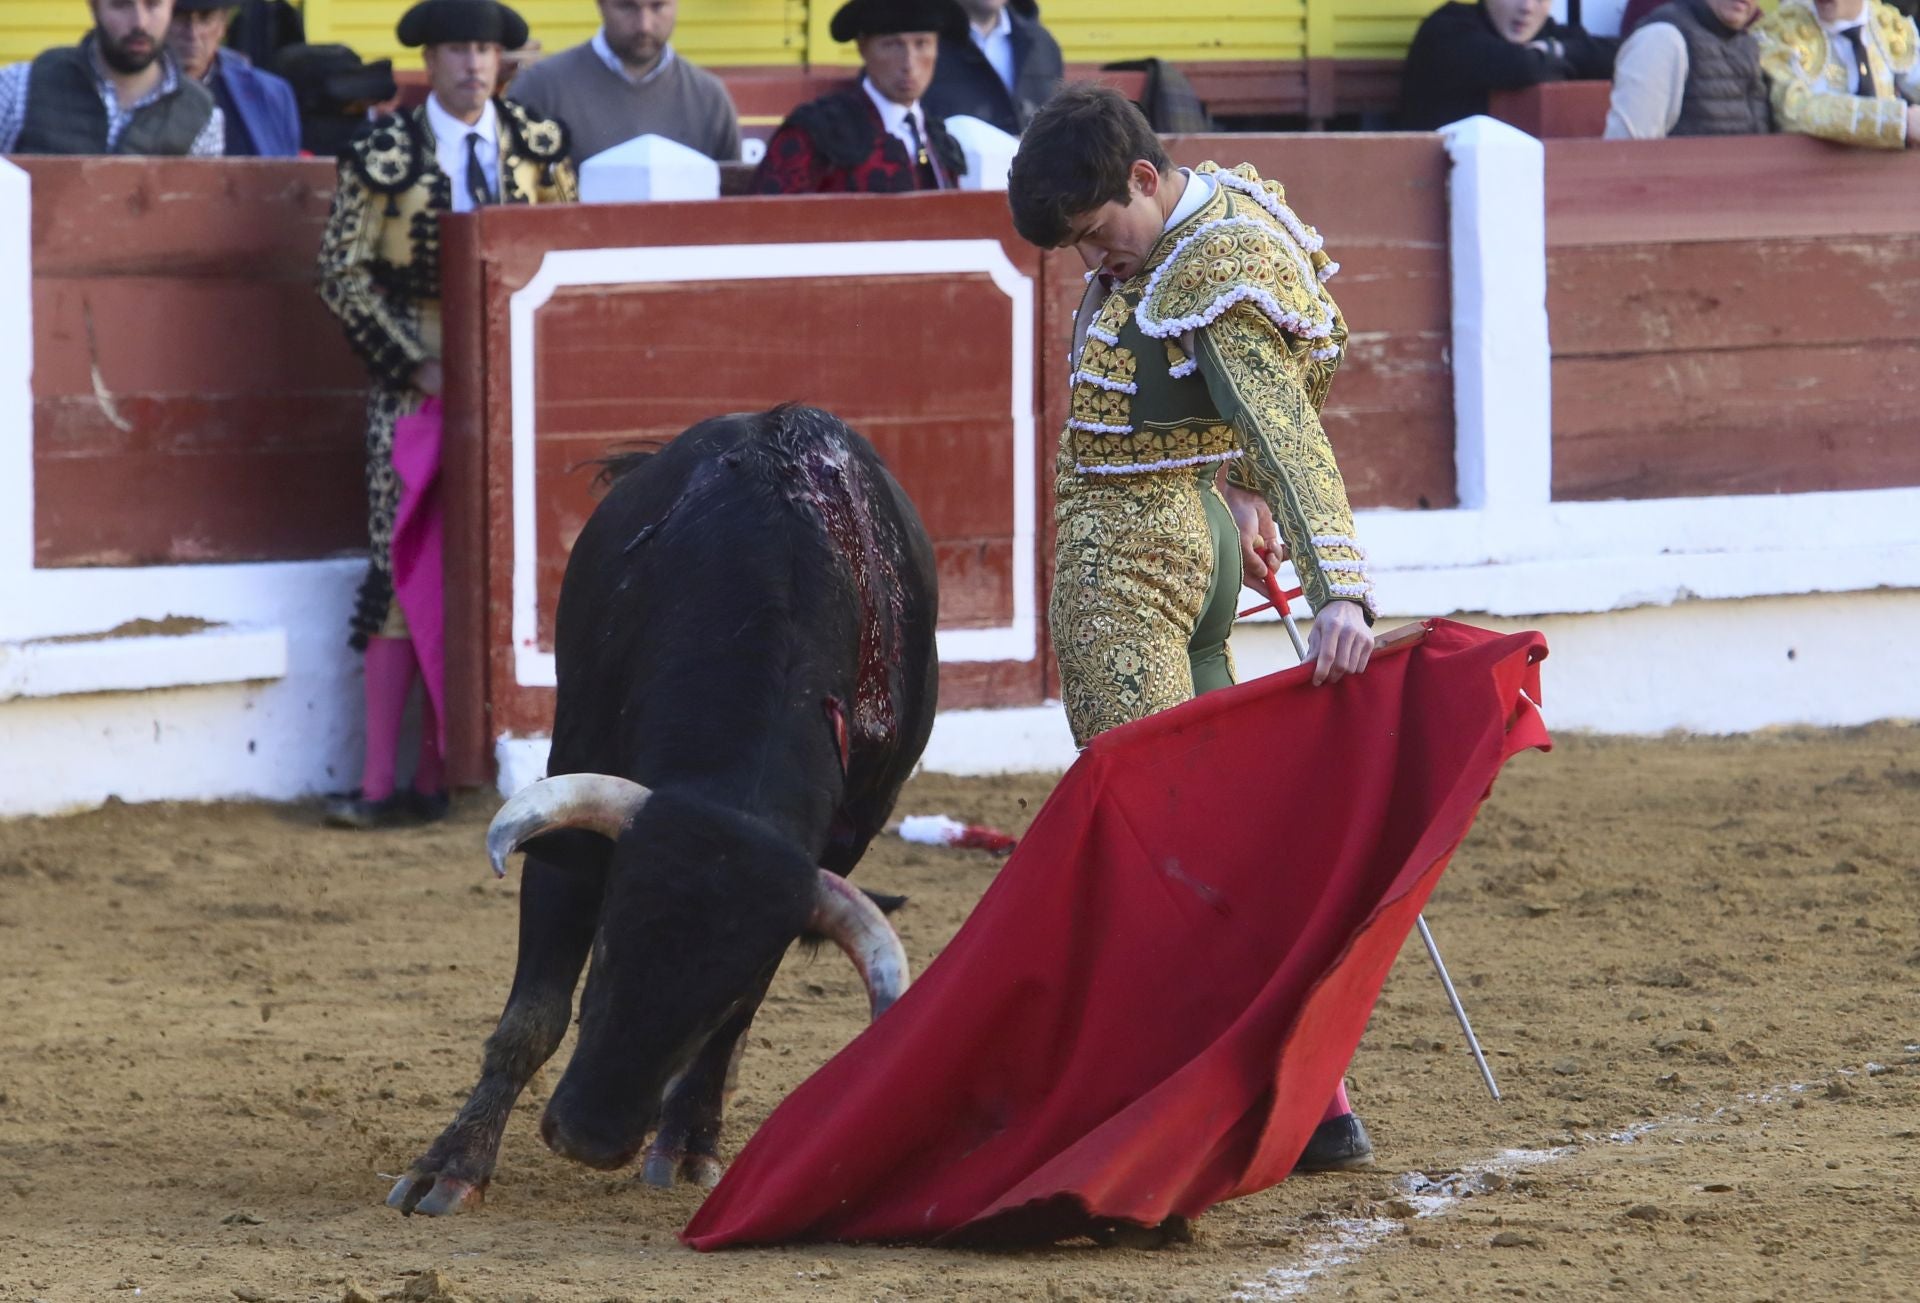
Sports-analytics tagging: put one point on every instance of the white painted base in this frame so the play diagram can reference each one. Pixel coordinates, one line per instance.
(277, 738)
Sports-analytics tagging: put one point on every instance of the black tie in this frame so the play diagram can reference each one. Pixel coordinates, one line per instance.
(1867, 86)
(477, 188)
(924, 175)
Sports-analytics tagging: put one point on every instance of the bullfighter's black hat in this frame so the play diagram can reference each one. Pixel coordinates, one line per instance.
(436, 22)
(857, 18)
(201, 6)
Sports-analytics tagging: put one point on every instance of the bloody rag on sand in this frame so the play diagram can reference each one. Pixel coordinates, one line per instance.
(1148, 1010)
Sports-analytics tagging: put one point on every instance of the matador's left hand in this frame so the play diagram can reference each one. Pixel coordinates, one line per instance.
(1340, 644)
(1258, 533)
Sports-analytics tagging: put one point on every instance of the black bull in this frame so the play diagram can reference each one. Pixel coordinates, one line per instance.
(746, 676)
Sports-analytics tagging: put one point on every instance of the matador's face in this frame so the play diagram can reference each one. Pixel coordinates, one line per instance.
(1116, 237)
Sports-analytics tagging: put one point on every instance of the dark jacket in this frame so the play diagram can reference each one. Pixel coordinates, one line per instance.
(263, 104)
(837, 144)
(64, 114)
(1458, 57)
(965, 83)
(1726, 93)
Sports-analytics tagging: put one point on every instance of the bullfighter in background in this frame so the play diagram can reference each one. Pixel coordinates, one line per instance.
(1843, 70)
(1204, 348)
(873, 137)
(380, 274)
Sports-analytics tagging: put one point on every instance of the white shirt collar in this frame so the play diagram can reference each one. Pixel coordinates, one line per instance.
(1846, 25)
(612, 60)
(892, 115)
(1199, 190)
(1002, 28)
(449, 130)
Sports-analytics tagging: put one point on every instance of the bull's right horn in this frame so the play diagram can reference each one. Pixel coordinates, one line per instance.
(843, 914)
(602, 803)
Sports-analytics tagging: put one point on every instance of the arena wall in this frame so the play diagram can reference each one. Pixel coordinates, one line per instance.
(176, 556)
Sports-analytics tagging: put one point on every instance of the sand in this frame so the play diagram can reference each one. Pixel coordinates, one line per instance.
(1694, 964)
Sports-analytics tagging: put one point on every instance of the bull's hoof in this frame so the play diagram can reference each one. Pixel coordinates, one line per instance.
(434, 1196)
(664, 1167)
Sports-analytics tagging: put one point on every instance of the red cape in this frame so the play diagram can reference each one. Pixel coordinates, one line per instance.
(1150, 1007)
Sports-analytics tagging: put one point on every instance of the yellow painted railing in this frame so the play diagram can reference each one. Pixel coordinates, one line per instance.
(745, 32)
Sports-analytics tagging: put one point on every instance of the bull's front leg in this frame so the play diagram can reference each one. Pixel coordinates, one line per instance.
(558, 911)
(687, 1145)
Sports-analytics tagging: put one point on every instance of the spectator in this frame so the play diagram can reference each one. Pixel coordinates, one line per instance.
(1692, 69)
(262, 116)
(1004, 68)
(1843, 70)
(628, 81)
(873, 136)
(380, 274)
(117, 92)
(1464, 51)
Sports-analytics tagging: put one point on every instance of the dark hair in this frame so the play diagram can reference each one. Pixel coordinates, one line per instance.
(1075, 156)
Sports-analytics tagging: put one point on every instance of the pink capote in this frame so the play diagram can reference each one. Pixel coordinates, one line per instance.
(1150, 1007)
(419, 528)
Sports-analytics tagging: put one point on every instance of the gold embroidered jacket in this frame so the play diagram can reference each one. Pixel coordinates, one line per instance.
(1807, 75)
(380, 254)
(1221, 348)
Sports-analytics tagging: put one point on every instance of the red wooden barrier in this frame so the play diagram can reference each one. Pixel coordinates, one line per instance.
(1555, 109)
(188, 385)
(1732, 316)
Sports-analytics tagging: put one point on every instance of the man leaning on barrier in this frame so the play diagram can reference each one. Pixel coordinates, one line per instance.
(1691, 69)
(117, 92)
(1843, 70)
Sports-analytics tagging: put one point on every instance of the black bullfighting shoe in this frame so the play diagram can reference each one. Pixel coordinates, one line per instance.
(356, 811)
(428, 807)
(1338, 1145)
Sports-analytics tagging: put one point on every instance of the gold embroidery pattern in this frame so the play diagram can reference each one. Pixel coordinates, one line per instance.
(1269, 388)
(1807, 76)
(1132, 560)
(1180, 442)
(1098, 406)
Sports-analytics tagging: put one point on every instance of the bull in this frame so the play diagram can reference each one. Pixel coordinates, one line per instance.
(746, 676)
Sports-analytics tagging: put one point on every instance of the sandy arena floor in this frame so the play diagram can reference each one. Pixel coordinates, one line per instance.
(1694, 962)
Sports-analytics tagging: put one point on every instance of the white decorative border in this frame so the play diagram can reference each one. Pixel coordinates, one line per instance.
(1018, 641)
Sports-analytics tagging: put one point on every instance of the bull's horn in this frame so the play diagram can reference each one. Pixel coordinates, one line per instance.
(843, 914)
(602, 803)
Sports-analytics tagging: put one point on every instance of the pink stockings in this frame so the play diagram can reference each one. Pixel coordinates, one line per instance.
(391, 670)
(1339, 1106)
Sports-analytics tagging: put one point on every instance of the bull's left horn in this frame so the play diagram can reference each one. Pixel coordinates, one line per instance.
(843, 914)
(602, 803)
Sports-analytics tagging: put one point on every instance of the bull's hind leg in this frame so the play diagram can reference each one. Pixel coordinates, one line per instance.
(558, 911)
(687, 1145)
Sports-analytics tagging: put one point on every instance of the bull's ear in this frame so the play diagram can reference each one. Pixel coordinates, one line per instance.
(602, 803)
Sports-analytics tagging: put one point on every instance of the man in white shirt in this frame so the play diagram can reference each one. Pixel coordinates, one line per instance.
(873, 137)
(1844, 70)
(380, 275)
(1001, 71)
(1692, 68)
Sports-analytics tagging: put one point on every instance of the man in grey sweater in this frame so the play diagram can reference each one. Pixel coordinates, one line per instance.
(626, 82)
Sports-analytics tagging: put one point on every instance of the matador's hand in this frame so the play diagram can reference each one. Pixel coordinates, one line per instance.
(1258, 533)
(1340, 644)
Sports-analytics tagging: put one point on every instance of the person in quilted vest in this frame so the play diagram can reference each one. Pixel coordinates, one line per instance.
(1203, 352)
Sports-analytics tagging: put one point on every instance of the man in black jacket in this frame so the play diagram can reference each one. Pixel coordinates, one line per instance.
(1464, 51)
(1000, 70)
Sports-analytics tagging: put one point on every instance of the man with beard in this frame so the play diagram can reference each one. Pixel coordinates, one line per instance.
(1463, 52)
(873, 137)
(1691, 69)
(380, 274)
(1844, 70)
(262, 115)
(117, 92)
(628, 81)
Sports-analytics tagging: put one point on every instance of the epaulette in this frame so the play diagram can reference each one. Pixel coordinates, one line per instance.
(389, 155)
(1898, 36)
(838, 127)
(544, 140)
(1258, 252)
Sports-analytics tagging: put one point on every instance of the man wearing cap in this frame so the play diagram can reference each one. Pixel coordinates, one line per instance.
(262, 115)
(380, 274)
(872, 137)
(1844, 70)
(117, 92)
